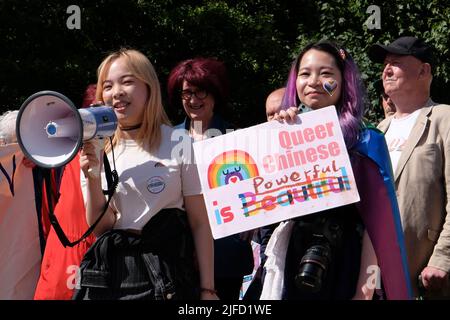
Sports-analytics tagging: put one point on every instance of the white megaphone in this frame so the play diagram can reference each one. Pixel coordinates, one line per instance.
(50, 129)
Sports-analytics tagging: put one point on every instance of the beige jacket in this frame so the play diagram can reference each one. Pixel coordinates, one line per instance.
(422, 183)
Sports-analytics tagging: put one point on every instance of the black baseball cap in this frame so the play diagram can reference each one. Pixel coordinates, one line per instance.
(402, 46)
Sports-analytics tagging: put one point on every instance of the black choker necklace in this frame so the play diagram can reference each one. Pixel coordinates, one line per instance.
(137, 126)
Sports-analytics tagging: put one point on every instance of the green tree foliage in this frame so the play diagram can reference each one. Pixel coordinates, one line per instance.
(257, 40)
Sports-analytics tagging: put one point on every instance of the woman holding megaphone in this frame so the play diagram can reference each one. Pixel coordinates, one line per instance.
(156, 217)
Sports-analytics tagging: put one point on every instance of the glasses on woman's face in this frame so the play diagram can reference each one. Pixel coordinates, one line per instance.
(187, 94)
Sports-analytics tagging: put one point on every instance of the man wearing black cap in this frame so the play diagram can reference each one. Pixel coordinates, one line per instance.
(418, 138)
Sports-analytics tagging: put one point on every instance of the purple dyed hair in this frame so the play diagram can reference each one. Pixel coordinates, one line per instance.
(350, 106)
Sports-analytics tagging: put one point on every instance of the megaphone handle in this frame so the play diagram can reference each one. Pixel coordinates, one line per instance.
(94, 172)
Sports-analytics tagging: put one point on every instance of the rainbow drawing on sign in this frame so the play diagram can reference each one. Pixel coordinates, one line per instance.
(231, 167)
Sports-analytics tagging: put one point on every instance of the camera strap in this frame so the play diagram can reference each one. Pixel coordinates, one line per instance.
(112, 179)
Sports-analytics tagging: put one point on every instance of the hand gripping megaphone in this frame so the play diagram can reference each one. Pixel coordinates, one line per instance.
(50, 129)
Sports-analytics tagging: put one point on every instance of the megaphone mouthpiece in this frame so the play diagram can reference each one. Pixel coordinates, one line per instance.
(98, 122)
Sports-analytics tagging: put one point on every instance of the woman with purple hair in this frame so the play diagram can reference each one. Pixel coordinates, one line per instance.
(339, 253)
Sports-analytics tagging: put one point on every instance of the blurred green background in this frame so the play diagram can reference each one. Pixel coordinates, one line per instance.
(257, 40)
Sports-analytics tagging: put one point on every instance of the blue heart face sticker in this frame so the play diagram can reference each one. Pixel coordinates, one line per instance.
(330, 87)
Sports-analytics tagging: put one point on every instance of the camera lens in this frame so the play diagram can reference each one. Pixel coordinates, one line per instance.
(313, 267)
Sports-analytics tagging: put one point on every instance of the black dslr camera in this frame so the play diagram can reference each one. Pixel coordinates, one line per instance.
(325, 238)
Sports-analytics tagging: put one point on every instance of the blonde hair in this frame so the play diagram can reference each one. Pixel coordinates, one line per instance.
(154, 113)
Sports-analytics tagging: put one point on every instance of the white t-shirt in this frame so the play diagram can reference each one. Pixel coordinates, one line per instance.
(397, 135)
(149, 182)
